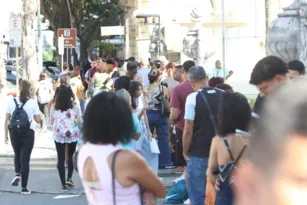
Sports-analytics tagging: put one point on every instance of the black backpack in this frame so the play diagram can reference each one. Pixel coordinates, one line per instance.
(20, 122)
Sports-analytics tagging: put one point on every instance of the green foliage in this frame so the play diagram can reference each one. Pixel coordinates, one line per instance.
(107, 48)
(87, 17)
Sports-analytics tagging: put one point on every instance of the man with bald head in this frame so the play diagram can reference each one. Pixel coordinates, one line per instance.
(218, 71)
(143, 71)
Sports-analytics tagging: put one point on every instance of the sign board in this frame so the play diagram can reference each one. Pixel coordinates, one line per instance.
(112, 30)
(70, 36)
(15, 31)
(61, 45)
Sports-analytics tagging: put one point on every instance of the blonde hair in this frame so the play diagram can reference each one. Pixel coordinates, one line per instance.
(102, 67)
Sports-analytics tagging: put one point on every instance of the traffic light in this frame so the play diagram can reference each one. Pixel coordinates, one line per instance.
(153, 20)
(146, 20)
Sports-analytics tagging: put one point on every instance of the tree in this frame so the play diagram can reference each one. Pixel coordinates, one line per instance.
(29, 63)
(87, 17)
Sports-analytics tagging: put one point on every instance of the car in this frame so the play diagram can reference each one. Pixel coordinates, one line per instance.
(11, 64)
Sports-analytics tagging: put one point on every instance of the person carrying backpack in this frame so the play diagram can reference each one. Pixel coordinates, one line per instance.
(44, 95)
(21, 113)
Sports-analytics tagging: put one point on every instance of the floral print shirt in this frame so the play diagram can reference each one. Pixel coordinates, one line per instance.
(66, 125)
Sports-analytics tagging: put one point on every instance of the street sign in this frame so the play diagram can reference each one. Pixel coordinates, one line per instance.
(70, 36)
(112, 30)
(15, 31)
(61, 45)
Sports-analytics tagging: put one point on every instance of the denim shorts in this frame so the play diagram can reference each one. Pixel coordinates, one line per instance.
(197, 168)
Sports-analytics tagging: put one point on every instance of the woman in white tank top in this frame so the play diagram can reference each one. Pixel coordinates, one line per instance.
(107, 120)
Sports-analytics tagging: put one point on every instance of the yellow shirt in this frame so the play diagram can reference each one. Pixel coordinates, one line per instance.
(77, 87)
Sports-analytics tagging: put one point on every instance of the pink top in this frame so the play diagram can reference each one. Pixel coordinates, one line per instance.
(104, 194)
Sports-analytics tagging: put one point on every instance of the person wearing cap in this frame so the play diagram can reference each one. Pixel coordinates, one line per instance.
(199, 131)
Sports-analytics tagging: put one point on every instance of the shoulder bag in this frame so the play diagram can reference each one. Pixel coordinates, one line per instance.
(165, 109)
(113, 179)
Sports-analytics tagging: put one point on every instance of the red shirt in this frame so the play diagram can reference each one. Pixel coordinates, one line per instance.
(93, 71)
(178, 99)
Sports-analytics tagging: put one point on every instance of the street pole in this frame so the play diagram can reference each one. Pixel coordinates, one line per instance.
(17, 70)
(224, 38)
(71, 26)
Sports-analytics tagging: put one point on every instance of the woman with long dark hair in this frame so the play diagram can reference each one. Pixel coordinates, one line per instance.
(140, 106)
(21, 126)
(66, 120)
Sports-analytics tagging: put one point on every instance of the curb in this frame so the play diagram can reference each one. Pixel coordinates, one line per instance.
(46, 193)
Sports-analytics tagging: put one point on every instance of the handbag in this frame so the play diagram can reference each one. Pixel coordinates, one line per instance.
(113, 179)
(154, 146)
(165, 109)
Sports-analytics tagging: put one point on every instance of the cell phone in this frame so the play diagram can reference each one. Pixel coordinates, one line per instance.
(242, 132)
(150, 103)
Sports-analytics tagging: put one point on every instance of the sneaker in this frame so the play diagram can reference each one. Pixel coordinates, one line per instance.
(25, 192)
(16, 180)
(70, 183)
(64, 188)
(178, 170)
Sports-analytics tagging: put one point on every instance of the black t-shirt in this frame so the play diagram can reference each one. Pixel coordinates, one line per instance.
(203, 130)
(258, 104)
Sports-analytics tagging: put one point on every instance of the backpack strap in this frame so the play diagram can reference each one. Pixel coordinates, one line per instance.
(211, 116)
(228, 148)
(15, 101)
(24, 104)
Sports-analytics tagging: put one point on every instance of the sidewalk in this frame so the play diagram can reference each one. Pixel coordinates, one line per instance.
(44, 147)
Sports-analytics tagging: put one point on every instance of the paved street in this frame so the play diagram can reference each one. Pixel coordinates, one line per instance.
(44, 180)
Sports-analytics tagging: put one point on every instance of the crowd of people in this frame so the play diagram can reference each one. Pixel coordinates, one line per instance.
(127, 119)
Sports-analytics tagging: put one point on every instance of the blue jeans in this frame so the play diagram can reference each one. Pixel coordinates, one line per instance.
(197, 168)
(81, 105)
(160, 123)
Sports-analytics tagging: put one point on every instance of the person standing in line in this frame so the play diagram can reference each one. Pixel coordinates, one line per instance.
(88, 72)
(173, 72)
(101, 78)
(66, 120)
(158, 121)
(296, 69)
(107, 120)
(44, 94)
(178, 100)
(21, 115)
(199, 130)
(140, 106)
(144, 71)
(269, 73)
(78, 88)
(274, 167)
(234, 112)
(132, 70)
(218, 71)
